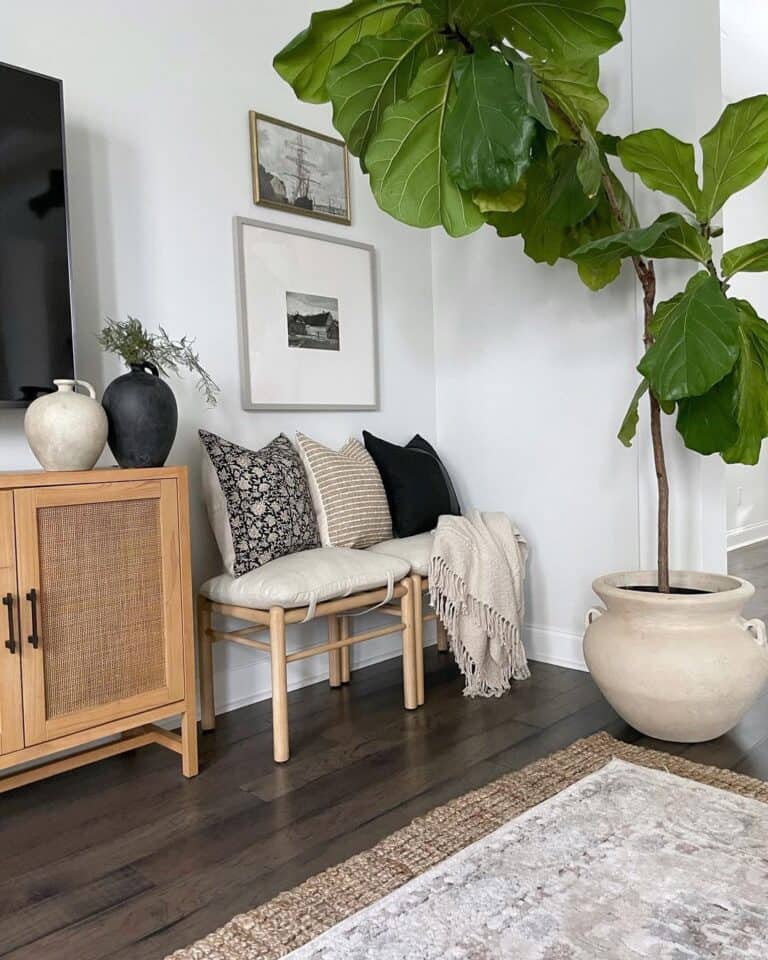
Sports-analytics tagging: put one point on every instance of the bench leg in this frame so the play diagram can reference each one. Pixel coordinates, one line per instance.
(417, 585)
(334, 656)
(279, 684)
(442, 637)
(205, 646)
(345, 653)
(410, 688)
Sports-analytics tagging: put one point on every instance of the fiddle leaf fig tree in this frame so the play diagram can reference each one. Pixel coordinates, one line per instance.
(467, 113)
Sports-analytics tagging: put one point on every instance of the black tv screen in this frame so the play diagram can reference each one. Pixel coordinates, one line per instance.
(35, 302)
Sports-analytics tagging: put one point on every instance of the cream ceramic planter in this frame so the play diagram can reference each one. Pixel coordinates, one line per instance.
(680, 667)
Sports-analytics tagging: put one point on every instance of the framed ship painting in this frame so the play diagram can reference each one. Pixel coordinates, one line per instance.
(298, 170)
(307, 308)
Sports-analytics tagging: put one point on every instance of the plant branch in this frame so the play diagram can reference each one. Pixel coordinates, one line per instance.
(646, 274)
(453, 33)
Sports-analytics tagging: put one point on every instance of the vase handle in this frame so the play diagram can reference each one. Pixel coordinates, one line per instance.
(757, 630)
(88, 387)
(592, 614)
(151, 367)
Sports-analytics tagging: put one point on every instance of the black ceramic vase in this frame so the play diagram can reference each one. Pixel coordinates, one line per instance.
(143, 416)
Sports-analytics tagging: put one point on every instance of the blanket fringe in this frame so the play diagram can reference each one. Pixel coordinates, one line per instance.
(450, 598)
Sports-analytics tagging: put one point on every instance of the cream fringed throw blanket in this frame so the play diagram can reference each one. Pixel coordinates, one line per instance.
(476, 579)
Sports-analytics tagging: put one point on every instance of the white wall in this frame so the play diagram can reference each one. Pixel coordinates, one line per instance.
(745, 73)
(157, 98)
(534, 372)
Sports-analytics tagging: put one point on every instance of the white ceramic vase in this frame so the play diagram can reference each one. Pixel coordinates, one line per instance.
(67, 430)
(683, 667)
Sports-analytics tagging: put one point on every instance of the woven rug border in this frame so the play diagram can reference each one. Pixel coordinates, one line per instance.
(297, 916)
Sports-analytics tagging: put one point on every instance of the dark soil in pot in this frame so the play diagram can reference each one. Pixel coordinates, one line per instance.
(676, 591)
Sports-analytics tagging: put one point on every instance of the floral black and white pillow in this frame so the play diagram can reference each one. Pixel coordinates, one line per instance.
(267, 498)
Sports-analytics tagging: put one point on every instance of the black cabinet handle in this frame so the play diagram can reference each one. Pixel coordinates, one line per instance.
(10, 642)
(33, 637)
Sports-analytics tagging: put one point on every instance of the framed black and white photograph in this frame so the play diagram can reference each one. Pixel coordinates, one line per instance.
(299, 170)
(313, 322)
(307, 306)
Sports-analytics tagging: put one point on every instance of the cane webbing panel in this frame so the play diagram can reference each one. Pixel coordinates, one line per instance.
(101, 603)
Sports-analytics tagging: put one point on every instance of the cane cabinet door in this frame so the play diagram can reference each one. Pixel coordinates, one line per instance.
(11, 722)
(100, 600)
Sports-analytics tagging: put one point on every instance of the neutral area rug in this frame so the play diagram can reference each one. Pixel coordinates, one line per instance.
(603, 850)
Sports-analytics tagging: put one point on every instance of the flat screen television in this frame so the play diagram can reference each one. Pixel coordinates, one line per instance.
(35, 298)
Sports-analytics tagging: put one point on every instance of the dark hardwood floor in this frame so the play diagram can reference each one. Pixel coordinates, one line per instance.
(125, 859)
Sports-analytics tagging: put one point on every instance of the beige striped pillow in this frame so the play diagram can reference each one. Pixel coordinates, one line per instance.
(347, 494)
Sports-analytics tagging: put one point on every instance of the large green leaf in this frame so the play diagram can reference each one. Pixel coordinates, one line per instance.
(488, 133)
(590, 165)
(409, 176)
(547, 236)
(663, 163)
(751, 387)
(566, 30)
(573, 91)
(682, 241)
(528, 87)
(304, 63)
(732, 418)
(708, 423)
(510, 201)
(376, 73)
(568, 202)
(671, 236)
(601, 223)
(543, 242)
(628, 219)
(735, 153)
(751, 258)
(631, 419)
(697, 344)
(446, 13)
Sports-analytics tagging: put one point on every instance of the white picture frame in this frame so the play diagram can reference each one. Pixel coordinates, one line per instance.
(307, 319)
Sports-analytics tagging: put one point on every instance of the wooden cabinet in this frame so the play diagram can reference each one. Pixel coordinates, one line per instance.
(11, 717)
(96, 624)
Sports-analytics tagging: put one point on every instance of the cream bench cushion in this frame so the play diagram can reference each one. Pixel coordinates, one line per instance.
(307, 578)
(415, 550)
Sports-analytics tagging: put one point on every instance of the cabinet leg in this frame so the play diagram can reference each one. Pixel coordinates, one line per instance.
(205, 647)
(418, 633)
(279, 685)
(346, 668)
(334, 656)
(189, 763)
(410, 689)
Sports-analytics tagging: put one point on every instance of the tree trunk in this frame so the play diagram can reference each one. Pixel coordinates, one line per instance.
(647, 276)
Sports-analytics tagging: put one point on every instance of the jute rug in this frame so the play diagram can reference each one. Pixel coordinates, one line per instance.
(549, 883)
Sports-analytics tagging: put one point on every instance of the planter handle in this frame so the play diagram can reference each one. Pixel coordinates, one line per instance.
(757, 629)
(69, 386)
(592, 614)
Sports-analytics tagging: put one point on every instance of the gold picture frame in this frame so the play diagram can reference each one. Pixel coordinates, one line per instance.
(298, 170)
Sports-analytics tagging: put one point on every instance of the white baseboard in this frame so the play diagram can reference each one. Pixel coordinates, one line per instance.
(746, 535)
(249, 682)
(551, 645)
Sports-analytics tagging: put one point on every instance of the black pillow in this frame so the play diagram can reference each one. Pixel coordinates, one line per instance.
(419, 443)
(415, 482)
